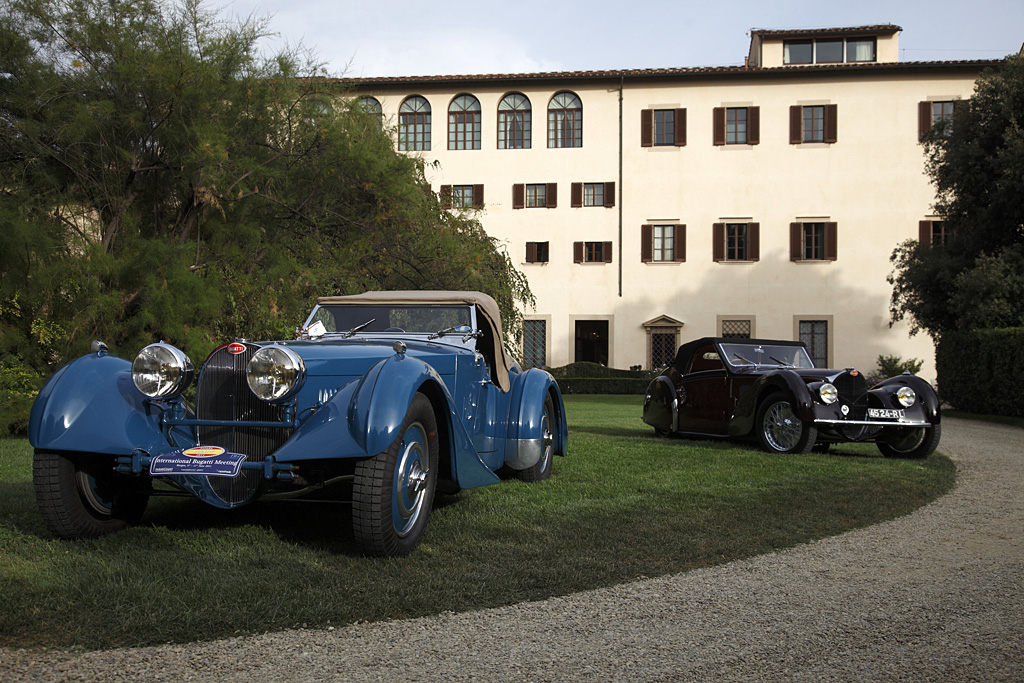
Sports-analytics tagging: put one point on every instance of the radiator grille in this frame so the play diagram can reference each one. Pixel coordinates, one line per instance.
(223, 394)
(853, 391)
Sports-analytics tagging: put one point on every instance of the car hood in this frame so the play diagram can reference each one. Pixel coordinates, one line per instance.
(353, 357)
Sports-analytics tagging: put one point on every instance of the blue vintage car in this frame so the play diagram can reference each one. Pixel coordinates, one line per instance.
(384, 398)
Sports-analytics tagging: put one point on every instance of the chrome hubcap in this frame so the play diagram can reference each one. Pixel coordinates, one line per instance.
(782, 428)
(409, 493)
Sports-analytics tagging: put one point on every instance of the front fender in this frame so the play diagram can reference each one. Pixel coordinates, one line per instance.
(524, 433)
(788, 382)
(927, 400)
(92, 405)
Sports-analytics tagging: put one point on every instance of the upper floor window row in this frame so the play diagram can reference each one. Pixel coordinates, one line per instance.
(829, 51)
(565, 122)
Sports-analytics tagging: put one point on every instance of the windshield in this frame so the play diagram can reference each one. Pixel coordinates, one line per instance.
(766, 355)
(387, 318)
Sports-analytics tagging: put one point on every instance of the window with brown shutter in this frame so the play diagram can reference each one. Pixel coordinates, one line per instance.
(753, 126)
(662, 243)
(552, 195)
(609, 195)
(536, 252)
(796, 124)
(831, 241)
(796, 241)
(718, 135)
(576, 195)
(518, 196)
(478, 196)
(646, 243)
(607, 252)
(446, 196)
(531, 252)
(680, 128)
(647, 128)
(680, 243)
(718, 241)
(924, 119)
(924, 233)
(753, 241)
(577, 252)
(831, 123)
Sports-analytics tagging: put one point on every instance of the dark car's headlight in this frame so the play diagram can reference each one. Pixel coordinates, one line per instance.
(275, 373)
(828, 394)
(162, 371)
(906, 396)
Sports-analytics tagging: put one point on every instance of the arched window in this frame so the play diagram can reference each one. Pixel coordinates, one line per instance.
(565, 120)
(414, 124)
(514, 122)
(371, 107)
(464, 123)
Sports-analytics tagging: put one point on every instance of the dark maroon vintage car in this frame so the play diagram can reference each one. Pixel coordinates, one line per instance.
(771, 391)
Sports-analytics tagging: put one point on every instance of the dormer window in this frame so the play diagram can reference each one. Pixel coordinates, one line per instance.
(829, 51)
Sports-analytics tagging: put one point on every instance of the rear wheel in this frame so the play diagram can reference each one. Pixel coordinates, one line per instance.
(81, 496)
(779, 430)
(542, 469)
(393, 491)
(912, 443)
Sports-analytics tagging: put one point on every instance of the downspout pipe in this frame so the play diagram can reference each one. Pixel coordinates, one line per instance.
(621, 81)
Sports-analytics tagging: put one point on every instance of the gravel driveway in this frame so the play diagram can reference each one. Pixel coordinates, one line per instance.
(934, 596)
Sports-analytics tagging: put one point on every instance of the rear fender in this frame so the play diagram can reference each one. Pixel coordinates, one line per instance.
(524, 435)
(92, 405)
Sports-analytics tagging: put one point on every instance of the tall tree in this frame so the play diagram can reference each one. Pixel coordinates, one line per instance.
(976, 279)
(161, 179)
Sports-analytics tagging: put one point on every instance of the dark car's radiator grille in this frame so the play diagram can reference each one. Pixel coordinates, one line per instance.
(223, 394)
(853, 390)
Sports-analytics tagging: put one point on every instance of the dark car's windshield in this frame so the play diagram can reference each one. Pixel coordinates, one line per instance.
(741, 356)
(397, 318)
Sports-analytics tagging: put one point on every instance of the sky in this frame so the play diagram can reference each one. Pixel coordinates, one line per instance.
(360, 38)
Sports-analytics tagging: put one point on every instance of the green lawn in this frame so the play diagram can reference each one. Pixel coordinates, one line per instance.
(624, 504)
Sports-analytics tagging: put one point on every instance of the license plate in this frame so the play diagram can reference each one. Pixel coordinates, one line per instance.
(212, 461)
(885, 414)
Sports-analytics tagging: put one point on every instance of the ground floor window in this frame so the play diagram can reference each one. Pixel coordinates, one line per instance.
(662, 341)
(535, 336)
(814, 333)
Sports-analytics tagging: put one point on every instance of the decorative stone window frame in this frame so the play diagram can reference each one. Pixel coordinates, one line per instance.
(663, 324)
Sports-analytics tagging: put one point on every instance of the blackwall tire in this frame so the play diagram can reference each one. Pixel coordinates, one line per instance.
(918, 443)
(393, 492)
(780, 431)
(80, 496)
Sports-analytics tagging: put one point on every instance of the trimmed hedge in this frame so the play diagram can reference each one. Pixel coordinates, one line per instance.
(594, 378)
(982, 371)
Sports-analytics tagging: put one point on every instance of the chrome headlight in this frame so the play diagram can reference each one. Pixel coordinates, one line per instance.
(162, 371)
(906, 396)
(275, 373)
(828, 394)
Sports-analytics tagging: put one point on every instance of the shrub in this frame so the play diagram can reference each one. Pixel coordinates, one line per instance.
(980, 371)
(890, 366)
(594, 378)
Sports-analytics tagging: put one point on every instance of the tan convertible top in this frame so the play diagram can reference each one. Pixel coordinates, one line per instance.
(487, 309)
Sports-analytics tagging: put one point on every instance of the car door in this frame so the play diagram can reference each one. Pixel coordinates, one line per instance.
(705, 402)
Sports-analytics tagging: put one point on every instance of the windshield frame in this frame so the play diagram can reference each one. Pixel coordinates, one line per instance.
(760, 354)
(366, 312)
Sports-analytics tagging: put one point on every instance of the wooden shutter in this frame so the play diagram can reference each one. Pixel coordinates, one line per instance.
(796, 124)
(680, 127)
(718, 136)
(924, 119)
(609, 195)
(531, 252)
(647, 128)
(796, 241)
(606, 250)
(753, 241)
(577, 252)
(576, 195)
(446, 196)
(831, 244)
(518, 196)
(646, 243)
(753, 125)
(551, 195)
(831, 122)
(718, 241)
(924, 233)
(478, 196)
(679, 241)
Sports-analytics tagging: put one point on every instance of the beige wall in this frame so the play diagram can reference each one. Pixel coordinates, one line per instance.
(871, 182)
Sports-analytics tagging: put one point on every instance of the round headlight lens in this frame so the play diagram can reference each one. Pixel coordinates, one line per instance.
(906, 396)
(275, 373)
(161, 371)
(828, 393)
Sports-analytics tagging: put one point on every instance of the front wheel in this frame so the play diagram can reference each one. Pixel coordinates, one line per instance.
(393, 491)
(81, 496)
(912, 443)
(542, 469)
(779, 430)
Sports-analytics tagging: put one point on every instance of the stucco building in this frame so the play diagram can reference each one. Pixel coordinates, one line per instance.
(648, 207)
